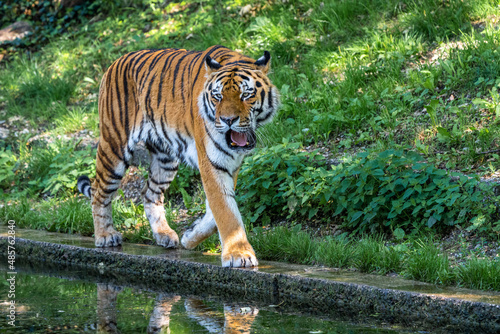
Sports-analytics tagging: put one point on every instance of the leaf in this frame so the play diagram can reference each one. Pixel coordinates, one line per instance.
(292, 203)
(417, 209)
(443, 132)
(454, 197)
(340, 208)
(392, 214)
(434, 103)
(478, 101)
(363, 155)
(431, 221)
(399, 233)
(92, 81)
(276, 163)
(356, 216)
(408, 193)
(370, 216)
(429, 84)
(312, 212)
(345, 184)
(291, 170)
(386, 154)
(304, 199)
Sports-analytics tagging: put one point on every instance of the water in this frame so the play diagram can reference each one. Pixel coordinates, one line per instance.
(48, 304)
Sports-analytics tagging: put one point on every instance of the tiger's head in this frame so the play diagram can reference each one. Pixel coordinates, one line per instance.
(238, 98)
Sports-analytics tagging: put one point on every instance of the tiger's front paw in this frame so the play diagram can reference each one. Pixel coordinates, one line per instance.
(240, 255)
(109, 238)
(167, 238)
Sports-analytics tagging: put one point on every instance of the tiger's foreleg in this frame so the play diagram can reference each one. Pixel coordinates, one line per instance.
(219, 188)
(201, 229)
(161, 173)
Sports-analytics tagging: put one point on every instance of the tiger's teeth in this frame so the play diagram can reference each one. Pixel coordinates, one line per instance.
(248, 143)
(233, 144)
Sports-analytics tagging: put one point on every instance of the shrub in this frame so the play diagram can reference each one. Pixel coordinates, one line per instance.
(7, 163)
(388, 191)
(396, 190)
(274, 179)
(53, 168)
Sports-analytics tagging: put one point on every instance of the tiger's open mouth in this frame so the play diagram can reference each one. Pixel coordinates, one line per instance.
(240, 140)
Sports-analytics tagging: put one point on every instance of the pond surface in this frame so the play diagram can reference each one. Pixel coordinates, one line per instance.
(48, 304)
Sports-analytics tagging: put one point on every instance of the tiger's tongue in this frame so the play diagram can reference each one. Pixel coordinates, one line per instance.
(238, 138)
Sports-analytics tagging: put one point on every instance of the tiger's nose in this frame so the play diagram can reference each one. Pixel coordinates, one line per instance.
(229, 120)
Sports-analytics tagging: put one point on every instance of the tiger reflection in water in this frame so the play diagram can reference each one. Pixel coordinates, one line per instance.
(235, 319)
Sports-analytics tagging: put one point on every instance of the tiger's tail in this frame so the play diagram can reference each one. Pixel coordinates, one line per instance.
(84, 186)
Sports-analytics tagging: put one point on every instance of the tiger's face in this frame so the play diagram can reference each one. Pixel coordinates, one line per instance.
(239, 98)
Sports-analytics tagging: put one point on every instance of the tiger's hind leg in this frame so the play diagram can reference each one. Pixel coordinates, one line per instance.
(110, 170)
(201, 229)
(161, 173)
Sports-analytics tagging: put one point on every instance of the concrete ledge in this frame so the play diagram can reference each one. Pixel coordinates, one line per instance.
(320, 296)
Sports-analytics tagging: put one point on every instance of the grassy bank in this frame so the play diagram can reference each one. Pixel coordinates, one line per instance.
(390, 114)
(421, 259)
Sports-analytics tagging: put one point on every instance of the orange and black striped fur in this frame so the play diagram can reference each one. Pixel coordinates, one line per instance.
(200, 108)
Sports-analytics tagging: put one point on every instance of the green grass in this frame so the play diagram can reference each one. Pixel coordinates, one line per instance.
(428, 263)
(480, 274)
(78, 119)
(35, 91)
(353, 75)
(333, 252)
(419, 259)
(357, 81)
(72, 215)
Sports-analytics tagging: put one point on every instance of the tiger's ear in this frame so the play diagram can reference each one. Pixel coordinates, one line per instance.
(211, 65)
(263, 62)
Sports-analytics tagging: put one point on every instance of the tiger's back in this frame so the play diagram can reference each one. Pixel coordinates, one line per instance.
(144, 88)
(195, 107)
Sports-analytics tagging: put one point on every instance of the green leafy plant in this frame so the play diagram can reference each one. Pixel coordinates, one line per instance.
(392, 190)
(396, 189)
(7, 163)
(185, 178)
(53, 168)
(432, 111)
(272, 180)
(493, 106)
(131, 220)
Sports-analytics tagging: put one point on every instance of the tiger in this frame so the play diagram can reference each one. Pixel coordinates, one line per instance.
(199, 108)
